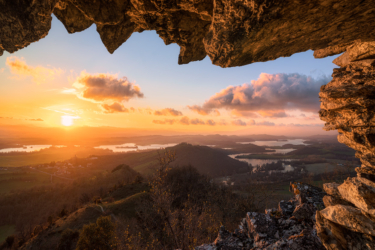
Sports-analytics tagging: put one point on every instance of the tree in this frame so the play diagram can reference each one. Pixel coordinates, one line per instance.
(98, 236)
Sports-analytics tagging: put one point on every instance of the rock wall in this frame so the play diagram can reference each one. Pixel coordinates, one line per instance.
(348, 105)
(230, 32)
(290, 226)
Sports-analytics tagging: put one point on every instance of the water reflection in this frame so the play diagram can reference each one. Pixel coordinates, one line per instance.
(28, 148)
(130, 147)
(276, 143)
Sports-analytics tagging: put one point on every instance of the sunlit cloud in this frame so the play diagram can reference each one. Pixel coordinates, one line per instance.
(265, 123)
(35, 120)
(2, 70)
(185, 120)
(269, 96)
(244, 113)
(211, 122)
(239, 122)
(68, 91)
(114, 108)
(168, 112)
(39, 74)
(197, 122)
(204, 111)
(147, 111)
(105, 88)
(273, 114)
(165, 121)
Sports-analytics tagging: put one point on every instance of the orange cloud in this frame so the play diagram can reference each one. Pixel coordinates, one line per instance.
(35, 120)
(204, 111)
(114, 108)
(168, 112)
(39, 74)
(243, 113)
(166, 121)
(238, 123)
(185, 120)
(211, 122)
(197, 122)
(105, 88)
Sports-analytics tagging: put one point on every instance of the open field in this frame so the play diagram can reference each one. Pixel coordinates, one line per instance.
(319, 168)
(15, 180)
(48, 155)
(5, 231)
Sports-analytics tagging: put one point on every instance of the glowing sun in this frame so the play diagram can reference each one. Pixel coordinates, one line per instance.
(67, 120)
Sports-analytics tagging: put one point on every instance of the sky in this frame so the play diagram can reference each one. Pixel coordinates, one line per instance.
(70, 80)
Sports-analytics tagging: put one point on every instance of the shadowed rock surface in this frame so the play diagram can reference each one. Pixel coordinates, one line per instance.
(231, 33)
(291, 226)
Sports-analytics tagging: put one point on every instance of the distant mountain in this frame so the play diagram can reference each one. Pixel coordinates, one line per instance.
(214, 162)
(211, 161)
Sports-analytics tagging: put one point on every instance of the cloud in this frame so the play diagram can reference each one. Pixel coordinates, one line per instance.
(269, 95)
(185, 120)
(114, 108)
(168, 112)
(204, 111)
(2, 70)
(238, 123)
(166, 121)
(102, 88)
(68, 91)
(211, 122)
(265, 123)
(244, 113)
(39, 74)
(273, 114)
(197, 122)
(35, 120)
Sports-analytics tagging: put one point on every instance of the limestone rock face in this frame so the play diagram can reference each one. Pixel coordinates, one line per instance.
(348, 104)
(349, 217)
(231, 33)
(359, 193)
(337, 237)
(24, 22)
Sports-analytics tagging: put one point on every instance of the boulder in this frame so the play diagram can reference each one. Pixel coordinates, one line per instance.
(261, 226)
(360, 192)
(304, 211)
(333, 200)
(286, 208)
(332, 189)
(349, 217)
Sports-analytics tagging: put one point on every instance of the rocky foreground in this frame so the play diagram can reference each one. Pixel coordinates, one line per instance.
(290, 226)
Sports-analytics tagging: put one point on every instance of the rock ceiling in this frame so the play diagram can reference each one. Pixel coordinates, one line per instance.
(230, 32)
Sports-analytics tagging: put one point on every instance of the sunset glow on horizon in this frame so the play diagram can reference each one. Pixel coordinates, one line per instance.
(117, 93)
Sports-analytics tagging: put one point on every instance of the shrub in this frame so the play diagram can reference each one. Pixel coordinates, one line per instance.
(67, 239)
(99, 236)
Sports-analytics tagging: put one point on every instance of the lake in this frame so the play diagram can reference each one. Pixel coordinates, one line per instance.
(130, 147)
(28, 148)
(276, 143)
(261, 162)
